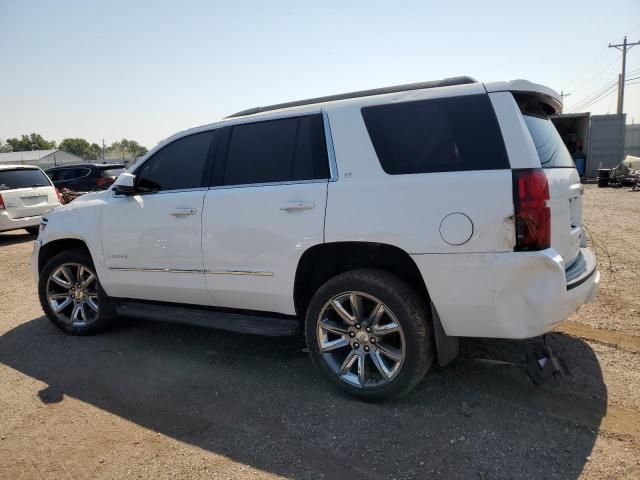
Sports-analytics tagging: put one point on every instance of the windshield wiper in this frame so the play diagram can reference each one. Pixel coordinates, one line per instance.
(38, 185)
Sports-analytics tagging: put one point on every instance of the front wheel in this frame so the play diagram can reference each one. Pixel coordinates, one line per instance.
(369, 333)
(71, 295)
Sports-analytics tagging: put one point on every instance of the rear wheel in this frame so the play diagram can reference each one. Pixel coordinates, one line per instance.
(369, 333)
(71, 295)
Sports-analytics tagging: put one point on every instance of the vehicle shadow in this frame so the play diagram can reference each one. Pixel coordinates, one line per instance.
(258, 401)
(14, 237)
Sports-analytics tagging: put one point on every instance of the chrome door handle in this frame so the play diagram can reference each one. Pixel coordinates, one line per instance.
(297, 206)
(181, 212)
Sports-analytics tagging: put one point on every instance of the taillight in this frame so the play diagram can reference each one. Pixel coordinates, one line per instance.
(533, 216)
(1, 203)
(101, 182)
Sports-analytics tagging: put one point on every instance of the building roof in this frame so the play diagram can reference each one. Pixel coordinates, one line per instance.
(34, 155)
(26, 156)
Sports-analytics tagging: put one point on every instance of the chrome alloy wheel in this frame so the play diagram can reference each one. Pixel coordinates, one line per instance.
(72, 293)
(361, 339)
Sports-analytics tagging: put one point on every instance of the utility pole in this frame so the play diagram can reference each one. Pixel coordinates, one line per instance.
(562, 95)
(103, 149)
(623, 47)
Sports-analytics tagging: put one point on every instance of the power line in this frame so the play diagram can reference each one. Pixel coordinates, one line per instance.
(602, 96)
(594, 96)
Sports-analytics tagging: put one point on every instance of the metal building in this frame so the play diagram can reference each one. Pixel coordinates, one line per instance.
(42, 158)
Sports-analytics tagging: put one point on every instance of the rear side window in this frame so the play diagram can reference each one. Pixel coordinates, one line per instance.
(277, 151)
(439, 135)
(551, 149)
(179, 165)
(23, 178)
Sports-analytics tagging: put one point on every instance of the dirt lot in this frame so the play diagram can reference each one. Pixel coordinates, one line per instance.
(150, 400)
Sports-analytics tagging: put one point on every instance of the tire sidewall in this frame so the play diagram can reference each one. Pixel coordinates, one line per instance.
(407, 309)
(104, 304)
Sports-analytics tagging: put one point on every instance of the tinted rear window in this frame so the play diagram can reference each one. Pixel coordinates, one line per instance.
(439, 135)
(23, 178)
(112, 172)
(551, 149)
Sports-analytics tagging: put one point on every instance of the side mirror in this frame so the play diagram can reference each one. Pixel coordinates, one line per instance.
(125, 184)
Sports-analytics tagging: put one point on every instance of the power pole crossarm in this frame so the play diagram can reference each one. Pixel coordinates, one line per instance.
(623, 47)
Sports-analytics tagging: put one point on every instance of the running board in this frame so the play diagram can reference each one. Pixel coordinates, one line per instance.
(222, 320)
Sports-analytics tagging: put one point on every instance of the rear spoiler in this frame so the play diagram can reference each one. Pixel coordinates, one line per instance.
(530, 96)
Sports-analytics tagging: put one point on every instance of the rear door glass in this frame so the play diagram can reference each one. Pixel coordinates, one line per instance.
(438, 135)
(22, 178)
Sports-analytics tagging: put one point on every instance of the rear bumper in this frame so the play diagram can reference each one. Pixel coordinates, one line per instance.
(506, 295)
(7, 223)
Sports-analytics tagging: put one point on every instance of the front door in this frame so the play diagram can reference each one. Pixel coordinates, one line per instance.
(267, 208)
(152, 241)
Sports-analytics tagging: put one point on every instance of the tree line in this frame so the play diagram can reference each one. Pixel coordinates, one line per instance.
(76, 146)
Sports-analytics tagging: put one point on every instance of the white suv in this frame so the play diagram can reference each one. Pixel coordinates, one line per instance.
(25, 194)
(385, 224)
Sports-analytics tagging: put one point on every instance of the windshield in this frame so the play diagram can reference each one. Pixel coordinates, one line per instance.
(550, 147)
(23, 178)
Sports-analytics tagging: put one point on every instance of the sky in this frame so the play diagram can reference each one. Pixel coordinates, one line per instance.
(144, 70)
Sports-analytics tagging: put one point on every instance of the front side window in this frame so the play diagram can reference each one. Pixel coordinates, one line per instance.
(179, 165)
(23, 178)
(438, 135)
(289, 149)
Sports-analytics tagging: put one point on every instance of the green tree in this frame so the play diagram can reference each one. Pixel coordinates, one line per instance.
(79, 147)
(128, 147)
(30, 142)
(96, 151)
(5, 147)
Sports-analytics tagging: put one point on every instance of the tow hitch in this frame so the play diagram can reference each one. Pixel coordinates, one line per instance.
(542, 363)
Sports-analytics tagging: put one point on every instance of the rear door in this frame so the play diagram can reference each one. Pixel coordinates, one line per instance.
(26, 192)
(265, 209)
(565, 189)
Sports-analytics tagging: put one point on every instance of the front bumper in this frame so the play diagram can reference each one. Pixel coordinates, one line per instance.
(505, 295)
(34, 259)
(7, 223)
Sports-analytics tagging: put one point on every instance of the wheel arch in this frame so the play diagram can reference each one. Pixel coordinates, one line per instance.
(54, 247)
(321, 262)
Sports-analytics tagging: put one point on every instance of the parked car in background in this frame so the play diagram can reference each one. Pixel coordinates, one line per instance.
(85, 177)
(25, 194)
(384, 224)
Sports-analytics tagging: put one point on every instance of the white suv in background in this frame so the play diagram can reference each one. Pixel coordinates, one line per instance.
(385, 224)
(25, 194)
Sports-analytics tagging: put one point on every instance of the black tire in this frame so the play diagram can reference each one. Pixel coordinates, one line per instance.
(409, 309)
(33, 230)
(105, 316)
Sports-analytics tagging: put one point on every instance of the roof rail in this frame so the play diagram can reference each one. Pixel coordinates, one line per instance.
(447, 82)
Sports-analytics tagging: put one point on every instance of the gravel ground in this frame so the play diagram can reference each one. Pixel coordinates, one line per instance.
(152, 401)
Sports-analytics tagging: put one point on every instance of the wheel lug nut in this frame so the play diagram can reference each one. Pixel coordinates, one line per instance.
(372, 340)
(368, 329)
(352, 334)
(356, 345)
(358, 326)
(366, 348)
